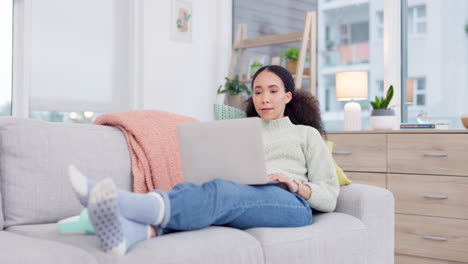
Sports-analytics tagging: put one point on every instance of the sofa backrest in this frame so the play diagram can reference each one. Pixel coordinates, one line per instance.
(34, 159)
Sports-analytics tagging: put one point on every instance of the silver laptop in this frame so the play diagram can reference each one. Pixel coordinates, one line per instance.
(227, 149)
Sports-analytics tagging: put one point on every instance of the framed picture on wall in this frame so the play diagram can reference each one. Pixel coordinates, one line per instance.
(181, 21)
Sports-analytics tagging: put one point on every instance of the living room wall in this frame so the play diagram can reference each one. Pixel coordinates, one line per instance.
(183, 77)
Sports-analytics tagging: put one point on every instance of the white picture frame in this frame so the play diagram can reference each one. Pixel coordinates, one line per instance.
(181, 21)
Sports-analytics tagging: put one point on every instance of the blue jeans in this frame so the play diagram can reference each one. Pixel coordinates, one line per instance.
(226, 203)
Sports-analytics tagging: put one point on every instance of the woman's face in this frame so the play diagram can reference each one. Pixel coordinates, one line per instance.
(269, 96)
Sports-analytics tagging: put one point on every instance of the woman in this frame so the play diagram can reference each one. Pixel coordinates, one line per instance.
(295, 155)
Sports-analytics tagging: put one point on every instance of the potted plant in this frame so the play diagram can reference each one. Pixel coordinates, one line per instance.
(466, 28)
(254, 67)
(383, 117)
(291, 55)
(233, 90)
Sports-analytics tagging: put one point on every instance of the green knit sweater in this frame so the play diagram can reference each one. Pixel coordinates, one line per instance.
(300, 153)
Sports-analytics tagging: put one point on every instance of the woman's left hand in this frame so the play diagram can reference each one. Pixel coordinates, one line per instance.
(290, 184)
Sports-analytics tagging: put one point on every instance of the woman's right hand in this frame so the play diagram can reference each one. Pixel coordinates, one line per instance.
(284, 182)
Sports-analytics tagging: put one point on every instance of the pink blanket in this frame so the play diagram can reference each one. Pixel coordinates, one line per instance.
(153, 144)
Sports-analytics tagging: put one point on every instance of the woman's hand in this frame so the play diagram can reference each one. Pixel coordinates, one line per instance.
(285, 182)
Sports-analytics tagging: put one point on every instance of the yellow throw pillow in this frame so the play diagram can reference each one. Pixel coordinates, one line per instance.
(342, 179)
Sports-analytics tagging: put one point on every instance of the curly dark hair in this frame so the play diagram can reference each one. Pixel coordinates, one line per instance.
(303, 109)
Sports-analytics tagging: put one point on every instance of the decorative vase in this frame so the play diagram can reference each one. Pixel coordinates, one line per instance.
(236, 101)
(291, 66)
(383, 119)
(464, 119)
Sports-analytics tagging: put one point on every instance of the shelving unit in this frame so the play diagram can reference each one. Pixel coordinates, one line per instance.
(241, 42)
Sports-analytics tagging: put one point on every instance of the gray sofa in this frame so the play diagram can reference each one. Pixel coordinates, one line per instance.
(35, 194)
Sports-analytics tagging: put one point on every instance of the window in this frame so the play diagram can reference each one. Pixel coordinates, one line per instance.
(354, 33)
(350, 37)
(359, 32)
(6, 55)
(81, 66)
(417, 20)
(438, 63)
(344, 34)
(349, 24)
(266, 18)
(420, 91)
(379, 89)
(380, 22)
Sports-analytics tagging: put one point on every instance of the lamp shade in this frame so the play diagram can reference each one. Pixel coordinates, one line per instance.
(409, 91)
(352, 85)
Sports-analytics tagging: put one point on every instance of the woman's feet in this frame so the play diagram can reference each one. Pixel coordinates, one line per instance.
(120, 218)
(116, 233)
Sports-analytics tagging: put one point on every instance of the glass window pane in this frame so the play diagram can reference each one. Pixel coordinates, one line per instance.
(379, 88)
(410, 20)
(380, 21)
(72, 117)
(6, 54)
(439, 61)
(421, 27)
(360, 32)
(421, 83)
(77, 64)
(266, 18)
(421, 99)
(421, 11)
(360, 49)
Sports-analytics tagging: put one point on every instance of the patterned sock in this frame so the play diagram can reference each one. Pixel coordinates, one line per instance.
(148, 208)
(116, 233)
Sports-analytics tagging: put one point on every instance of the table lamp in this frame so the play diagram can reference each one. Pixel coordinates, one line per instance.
(352, 86)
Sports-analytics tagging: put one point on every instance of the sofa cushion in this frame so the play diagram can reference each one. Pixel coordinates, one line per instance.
(34, 157)
(333, 238)
(210, 245)
(20, 249)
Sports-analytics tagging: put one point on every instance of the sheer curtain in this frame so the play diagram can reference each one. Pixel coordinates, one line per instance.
(6, 54)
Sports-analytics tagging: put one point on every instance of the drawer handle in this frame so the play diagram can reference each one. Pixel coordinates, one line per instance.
(436, 238)
(435, 196)
(435, 154)
(343, 152)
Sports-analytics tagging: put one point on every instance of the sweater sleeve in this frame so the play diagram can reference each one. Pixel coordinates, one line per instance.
(321, 174)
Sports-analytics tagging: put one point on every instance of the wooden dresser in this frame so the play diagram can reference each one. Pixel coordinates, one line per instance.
(427, 171)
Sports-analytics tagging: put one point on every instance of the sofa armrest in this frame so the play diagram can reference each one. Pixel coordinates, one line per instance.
(375, 207)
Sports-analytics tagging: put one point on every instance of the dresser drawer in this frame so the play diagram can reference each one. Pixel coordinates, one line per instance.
(355, 152)
(432, 237)
(445, 196)
(376, 179)
(403, 259)
(445, 154)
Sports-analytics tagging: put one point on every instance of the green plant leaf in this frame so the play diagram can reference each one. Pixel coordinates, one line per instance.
(233, 87)
(388, 97)
(290, 54)
(377, 102)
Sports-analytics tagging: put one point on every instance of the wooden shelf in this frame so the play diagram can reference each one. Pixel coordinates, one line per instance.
(306, 37)
(270, 40)
(294, 76)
